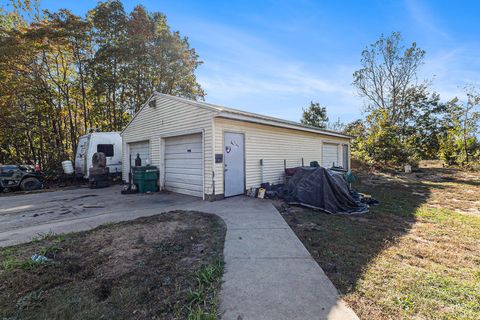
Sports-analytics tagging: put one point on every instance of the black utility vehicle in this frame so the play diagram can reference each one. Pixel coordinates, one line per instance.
(21, 177)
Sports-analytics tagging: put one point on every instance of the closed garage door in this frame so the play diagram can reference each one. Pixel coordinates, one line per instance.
(330, 155)
(142, 149)
(183, 164)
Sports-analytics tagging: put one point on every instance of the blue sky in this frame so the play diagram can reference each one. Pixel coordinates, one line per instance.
(274, 57)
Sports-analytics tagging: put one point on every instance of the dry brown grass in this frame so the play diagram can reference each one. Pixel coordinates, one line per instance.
(416, 255)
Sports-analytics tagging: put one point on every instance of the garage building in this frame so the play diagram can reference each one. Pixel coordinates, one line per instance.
(212, 152)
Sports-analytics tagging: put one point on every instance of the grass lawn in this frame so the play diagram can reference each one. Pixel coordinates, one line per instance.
(416, 255)
(168, 266)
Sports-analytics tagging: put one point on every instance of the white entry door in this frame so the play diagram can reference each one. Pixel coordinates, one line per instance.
(345, 157)
(234, 164)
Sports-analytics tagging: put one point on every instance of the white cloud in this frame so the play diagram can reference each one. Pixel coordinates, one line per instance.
(248, 72)
(452, 69)
(243, 68)
(423, 16)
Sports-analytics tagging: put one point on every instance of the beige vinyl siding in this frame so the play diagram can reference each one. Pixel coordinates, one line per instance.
(273, 145)
(170, 117)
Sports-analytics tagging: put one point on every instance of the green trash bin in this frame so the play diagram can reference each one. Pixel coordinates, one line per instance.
(146, 178)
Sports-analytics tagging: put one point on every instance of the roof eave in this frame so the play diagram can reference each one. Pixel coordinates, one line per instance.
(259, 120)
(234, 114)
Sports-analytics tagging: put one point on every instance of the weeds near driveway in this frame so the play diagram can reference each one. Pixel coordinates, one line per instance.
(203, 299)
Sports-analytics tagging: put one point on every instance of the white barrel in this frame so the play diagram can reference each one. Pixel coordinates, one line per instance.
(67, 167)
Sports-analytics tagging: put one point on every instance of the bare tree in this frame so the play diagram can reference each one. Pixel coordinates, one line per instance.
(388, 75)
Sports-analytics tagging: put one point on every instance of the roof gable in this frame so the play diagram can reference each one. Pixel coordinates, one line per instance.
(157, 95)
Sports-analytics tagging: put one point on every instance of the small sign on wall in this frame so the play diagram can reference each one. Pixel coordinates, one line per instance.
(218, 158)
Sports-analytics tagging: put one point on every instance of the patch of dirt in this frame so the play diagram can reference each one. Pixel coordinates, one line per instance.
(141, 269)
(123, 249)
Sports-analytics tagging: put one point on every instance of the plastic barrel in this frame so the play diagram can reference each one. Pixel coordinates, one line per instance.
(67, 167)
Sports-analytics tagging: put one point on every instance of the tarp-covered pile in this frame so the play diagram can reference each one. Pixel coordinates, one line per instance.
(322, 189)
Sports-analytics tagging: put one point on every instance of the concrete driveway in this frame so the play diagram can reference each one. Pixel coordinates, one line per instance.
(25, 216)
(269, 273)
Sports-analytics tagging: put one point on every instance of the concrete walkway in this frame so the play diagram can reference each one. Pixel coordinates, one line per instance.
(269, 273)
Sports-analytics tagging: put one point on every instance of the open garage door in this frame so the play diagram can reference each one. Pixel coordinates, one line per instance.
(184, 164)
(330, 155)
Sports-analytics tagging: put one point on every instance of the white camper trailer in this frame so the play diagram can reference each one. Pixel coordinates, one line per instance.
(110, 143)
